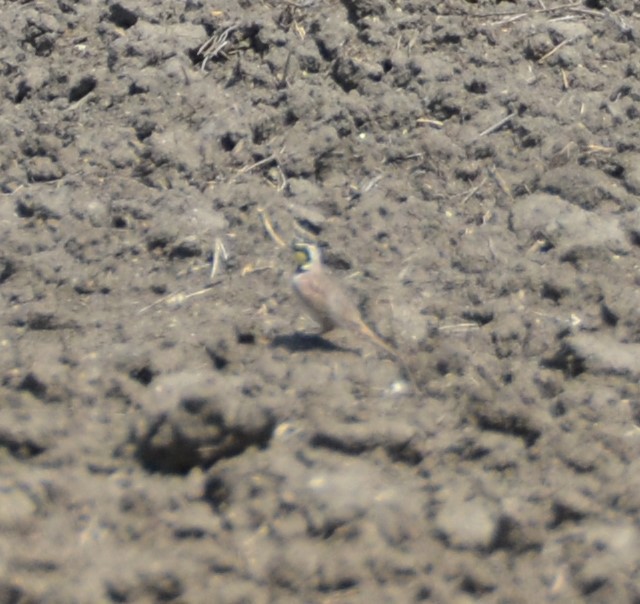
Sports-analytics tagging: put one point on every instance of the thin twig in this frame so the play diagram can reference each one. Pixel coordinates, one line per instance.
(250, 270)
(180, 297)
(500, 181)
(426, 120)
(554, 50)
(283, 178)
(15, 190)
(510, 19)
(368, 184)
(617, 20)
(497, 125)
(459, 327)
(218, 250)
(568, 6)
(262, 162)
(563, 18)
(537, 245)
(473, 191)
(215, 45)
(285, 70)
(303, 4)
(586, 11)
(599, 149)
(300, 30)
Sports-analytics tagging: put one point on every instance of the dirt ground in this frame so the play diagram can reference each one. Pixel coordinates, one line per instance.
(174, 433)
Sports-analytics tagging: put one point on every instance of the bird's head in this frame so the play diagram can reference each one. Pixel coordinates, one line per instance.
(306, 255)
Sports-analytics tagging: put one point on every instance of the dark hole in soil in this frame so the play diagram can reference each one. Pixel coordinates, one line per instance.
(246, 338)
(121, 16)
(82, 88)
(144, 375)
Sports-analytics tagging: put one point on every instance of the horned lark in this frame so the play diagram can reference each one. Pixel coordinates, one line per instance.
(328, 303)
(325, 299)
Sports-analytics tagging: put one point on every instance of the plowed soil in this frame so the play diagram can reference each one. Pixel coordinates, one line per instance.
(173, 429)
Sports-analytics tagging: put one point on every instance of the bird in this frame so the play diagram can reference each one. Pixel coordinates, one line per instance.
(328, 303)
(325, 299)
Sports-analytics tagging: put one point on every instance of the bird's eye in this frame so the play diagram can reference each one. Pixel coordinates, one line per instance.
(301, 257)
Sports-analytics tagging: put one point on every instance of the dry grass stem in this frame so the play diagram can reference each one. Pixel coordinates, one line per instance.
(509, 20)
(500, 181)
(569, 6)
(426, 120)
(497, 125)
(554, 50)
(283, 179)
(249, 269)
(473, 191)
(537, 246)
(269, 228)
(179, 298)
(302, 4)
(300, 30)
(599, 149)
(369, 183)
(262, 162)
(218, 250)
(459, 327)
(215, 45)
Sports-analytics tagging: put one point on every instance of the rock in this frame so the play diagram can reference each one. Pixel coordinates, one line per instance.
(16, 508)
(609, 551)
(478, 249)
(175, 146)
(509, 417)
(585, 187)
(469, 524)
(604, 355)
(43, 169)
(305, 151)
(160, 40)
(159, 585)
(582, 457)
(621, 309)
(571, 505)
(97, 214)
(8, 267)
(575, 233)
(333, 35)
(567, 30)
(365, 8)
(353, 438)
(630, 223)
(520, 526)
(27, 429)
(631, 165)
(53, 208)
(304, 204)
